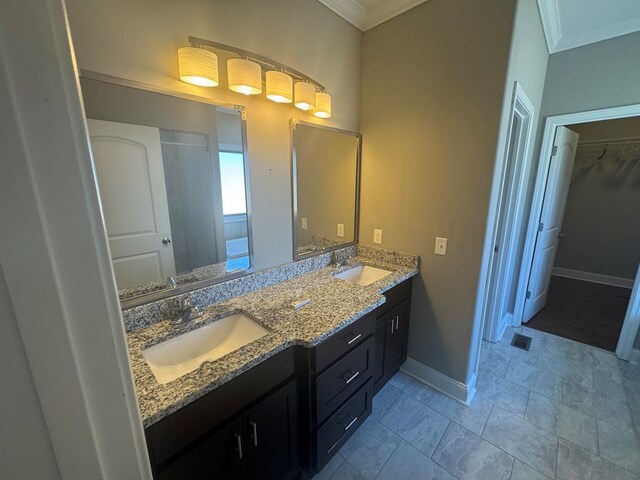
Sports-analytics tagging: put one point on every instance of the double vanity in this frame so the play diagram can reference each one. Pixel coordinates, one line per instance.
(257, 386)
(247, 365)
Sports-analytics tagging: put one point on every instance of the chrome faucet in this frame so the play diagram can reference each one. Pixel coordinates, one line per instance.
(188, 312)
(336, 262)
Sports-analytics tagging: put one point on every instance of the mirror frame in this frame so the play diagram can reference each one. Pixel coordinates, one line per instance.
(294, 189)
(188, 287)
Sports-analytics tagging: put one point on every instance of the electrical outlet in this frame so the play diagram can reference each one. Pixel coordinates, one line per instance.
(377, 236)
(441, 246)
(304, 223)
(341, 229)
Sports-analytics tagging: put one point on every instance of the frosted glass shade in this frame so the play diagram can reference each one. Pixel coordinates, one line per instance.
(305, 96)
(279, 87)
(323, 105)
(244, 76)
(198, 66)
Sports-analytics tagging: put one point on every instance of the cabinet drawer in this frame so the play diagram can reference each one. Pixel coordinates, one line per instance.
(340, 426)
(339, 382)
(343, 341)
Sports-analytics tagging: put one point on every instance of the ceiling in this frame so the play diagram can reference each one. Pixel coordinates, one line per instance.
(573, 23)
(567, 23)
(366, 14)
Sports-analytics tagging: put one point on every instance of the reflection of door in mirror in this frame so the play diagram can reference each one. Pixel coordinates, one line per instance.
(172, 179)
(128, 161)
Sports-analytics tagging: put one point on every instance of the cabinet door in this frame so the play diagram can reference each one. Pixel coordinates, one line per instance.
(271, 430)
(397, 330)
(218, 456)
(378, 359)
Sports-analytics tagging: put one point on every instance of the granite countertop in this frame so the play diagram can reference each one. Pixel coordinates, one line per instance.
(334, 304)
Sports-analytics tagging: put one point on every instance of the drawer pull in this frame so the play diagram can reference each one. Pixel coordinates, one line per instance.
(351, 378)
(254, 433)
(354, 339)
(350, 424)
(392, 326)
(397, 322)
(239, 445)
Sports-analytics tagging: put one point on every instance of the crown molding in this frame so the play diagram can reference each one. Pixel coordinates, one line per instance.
(365, 18)
(550, 15)
(387, 9)
(557, 41)
(351, 10)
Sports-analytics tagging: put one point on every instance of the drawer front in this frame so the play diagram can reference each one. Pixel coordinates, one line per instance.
(341, 380)
(341, 342)
(341, 425)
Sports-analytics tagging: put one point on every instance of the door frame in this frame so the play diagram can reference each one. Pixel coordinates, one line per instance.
(521, 107)
(632, 319)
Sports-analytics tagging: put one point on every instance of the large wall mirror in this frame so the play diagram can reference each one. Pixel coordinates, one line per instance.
(326, 179)
(173, 179)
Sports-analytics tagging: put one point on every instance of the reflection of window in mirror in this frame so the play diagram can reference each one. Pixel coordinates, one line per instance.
(171, 175)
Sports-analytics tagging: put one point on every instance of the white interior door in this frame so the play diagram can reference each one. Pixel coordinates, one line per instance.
(555, 198)
(130, 175)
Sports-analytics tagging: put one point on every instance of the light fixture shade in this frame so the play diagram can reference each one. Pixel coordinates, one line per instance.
(279, 87)
(198, 66)
(323, 105)
(244, 76)
(305, 96)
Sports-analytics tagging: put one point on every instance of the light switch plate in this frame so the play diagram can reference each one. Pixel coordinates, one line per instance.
(441, 246)
(304, 223)
(341, 229)
(377, 236)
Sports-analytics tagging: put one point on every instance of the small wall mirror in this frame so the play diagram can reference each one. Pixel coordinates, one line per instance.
(173, 180)
(326, 180)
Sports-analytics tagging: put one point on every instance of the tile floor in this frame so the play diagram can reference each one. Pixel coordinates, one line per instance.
(562, 410)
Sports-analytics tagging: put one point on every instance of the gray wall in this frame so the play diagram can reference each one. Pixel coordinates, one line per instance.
(25, 446)
(602, 216)
(432, 96)
(138, 40)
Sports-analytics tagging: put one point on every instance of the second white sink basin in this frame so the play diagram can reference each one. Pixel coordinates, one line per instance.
(363, 274)
(183, 354)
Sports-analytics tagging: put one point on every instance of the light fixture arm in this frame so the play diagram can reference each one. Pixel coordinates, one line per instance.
(263, 61)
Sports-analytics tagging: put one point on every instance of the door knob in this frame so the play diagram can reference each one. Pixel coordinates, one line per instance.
(166, 241)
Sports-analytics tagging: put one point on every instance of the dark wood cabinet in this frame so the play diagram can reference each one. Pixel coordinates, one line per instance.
(290, 414)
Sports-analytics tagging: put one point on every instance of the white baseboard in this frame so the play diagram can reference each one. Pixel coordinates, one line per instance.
(635, 356)
(457, 390)
(593, 277)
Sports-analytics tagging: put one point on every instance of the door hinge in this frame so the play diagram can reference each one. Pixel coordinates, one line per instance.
(528, 295)
(540, 226)
(554, 150)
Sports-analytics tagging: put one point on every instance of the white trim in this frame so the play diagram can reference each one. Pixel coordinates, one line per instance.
(550, 15)
(632, 320)
(557, 41)
(54, 252)
(387, 9)
(493, 325)
(593, 277)
(351, 10)
(634, 357)
(365, 18)
(631, 323)
(459, 391)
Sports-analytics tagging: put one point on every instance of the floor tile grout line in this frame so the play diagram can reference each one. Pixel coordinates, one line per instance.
(388, 458)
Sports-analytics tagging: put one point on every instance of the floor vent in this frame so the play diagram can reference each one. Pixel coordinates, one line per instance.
(521, 341)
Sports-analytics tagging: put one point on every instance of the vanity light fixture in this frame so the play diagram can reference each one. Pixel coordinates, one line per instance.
(323, 105)
(244, 76)
(198, 66)
(282, 84)
(305, 95)
(279, 86)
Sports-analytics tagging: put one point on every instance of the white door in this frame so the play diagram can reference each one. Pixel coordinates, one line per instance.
(128, 161)
(555, 198)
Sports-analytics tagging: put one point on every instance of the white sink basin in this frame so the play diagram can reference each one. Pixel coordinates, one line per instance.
(363, 274)
(180, 355)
